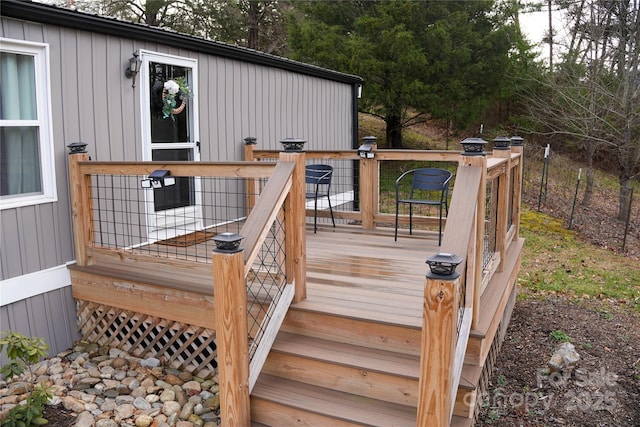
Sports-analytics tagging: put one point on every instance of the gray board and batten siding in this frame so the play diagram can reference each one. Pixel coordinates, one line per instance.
(241, 93)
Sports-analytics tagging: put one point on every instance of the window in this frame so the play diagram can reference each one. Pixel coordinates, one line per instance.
(27, 174)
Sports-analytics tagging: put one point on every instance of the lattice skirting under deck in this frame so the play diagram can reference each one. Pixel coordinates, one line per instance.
(178, 345)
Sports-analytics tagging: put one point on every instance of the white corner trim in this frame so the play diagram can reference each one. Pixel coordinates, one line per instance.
(32, 284)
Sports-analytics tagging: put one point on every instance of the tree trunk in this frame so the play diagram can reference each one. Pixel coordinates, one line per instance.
(253, 25)
(394, 131)
(448, 133)
(624, 210)
(590, 150)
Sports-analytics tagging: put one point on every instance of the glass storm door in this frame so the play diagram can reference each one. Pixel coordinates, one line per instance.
(170, 133)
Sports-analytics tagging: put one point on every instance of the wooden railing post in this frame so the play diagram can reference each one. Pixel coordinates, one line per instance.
(295, 224)
(439, 325)
(230, 300)
(369, 185)
(474, 265)
(251, 183)
(80, 195)
(517, 146)
(504, 187)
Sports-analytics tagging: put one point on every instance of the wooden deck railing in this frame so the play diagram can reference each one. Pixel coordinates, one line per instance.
(274, 188)
(277, 214)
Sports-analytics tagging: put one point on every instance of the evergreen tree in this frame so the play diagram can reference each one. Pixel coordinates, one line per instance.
(419, 59)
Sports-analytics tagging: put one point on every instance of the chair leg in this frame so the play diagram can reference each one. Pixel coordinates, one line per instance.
(315, 215)
(410, 218)
(331, 211)
(396, 232)
(440, 228)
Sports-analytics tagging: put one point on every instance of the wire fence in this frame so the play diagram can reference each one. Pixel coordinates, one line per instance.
(561, 194)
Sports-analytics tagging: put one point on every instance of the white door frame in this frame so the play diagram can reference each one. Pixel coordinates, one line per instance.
(173, 222)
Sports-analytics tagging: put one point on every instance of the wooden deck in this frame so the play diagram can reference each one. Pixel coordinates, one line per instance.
(358, 328)
(362, 318)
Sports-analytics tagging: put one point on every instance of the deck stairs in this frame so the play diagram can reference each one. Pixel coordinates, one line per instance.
(330, 367)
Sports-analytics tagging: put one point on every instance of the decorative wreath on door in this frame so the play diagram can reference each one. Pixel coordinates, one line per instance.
(174, 96)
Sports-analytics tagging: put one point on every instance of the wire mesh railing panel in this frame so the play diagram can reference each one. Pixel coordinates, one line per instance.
(265, 283)
(512, 197)
(177, 220)
(490, 222)
(462, 304)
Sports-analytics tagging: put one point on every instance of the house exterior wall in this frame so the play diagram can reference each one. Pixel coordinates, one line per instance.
(93, 102)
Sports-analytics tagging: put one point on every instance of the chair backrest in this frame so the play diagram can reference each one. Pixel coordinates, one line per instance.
(318, 174)
(430, 179)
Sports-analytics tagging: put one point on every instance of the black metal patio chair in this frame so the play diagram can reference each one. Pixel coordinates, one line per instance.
(319, 178)
(429, 186)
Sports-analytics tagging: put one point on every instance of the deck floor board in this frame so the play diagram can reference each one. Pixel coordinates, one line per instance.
(367, 276)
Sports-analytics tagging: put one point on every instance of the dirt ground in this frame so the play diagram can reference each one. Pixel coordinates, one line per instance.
(603, 389)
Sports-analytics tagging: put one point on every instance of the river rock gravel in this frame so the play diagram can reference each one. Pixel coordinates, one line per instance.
(96, 386)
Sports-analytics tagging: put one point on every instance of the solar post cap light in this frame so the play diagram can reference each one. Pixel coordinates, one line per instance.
(293, 144)
(443, 266)
(228, 242)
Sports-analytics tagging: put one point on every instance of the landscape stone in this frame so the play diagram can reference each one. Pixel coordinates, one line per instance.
(85, 419)
(102, 391)
(564, 359)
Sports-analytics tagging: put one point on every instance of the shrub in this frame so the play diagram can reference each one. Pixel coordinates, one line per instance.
(24, 352)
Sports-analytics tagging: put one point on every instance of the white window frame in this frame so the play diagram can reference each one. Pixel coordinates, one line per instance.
(40, 53)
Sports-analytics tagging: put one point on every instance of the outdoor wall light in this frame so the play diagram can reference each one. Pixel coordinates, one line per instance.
(158, 179)
(501, 143)
(293, 144)
(473, 146)
(443, 266)
(366, 151)
(228, 242)
(134, 67)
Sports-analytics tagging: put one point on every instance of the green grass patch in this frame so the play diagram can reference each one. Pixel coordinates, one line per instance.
(556, 261)
(560, 336)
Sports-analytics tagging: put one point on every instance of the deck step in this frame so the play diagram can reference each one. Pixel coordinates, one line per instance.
(470, 377)
(326, 322)
(277, 401)
(368, 372)
(466, 397)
